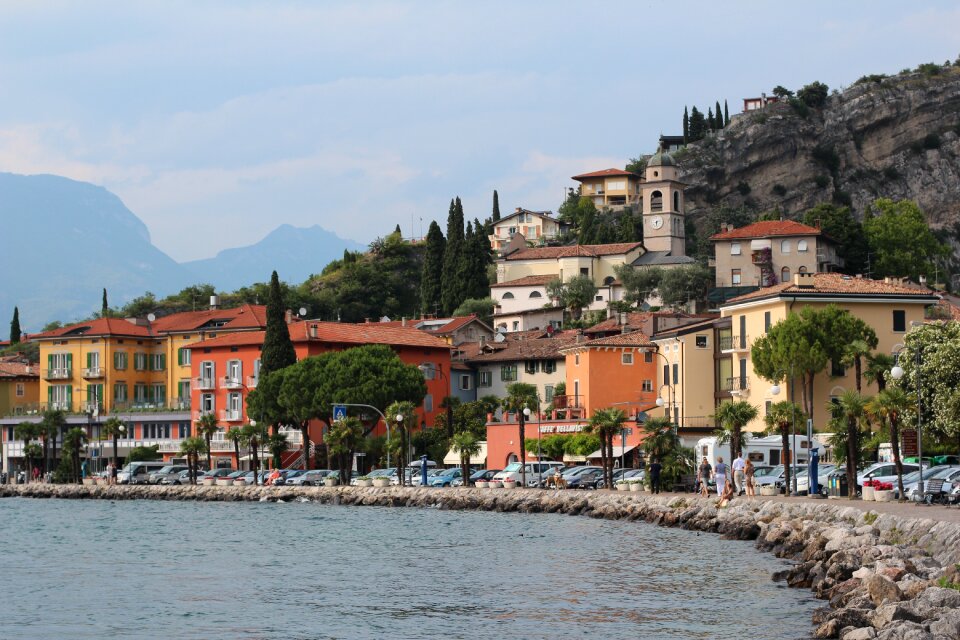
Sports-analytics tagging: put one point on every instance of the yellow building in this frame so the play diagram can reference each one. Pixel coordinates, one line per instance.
(113, 364)
(611, 188)
(887, 306)
(19, 386)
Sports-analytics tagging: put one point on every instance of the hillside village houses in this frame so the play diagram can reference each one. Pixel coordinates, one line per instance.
(536, 227)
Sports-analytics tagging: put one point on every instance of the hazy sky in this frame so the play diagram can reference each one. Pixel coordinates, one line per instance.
(217, 121)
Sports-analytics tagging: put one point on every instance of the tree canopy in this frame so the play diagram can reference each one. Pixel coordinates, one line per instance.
(838, 223)
(574, 294)
(277, 350)
(900, 240)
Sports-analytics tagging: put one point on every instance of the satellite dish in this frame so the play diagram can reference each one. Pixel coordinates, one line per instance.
(499, 337)
(151, 317)
(303, 311)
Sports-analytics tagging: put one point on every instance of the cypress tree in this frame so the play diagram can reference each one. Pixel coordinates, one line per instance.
(15, 327)
(726, 114)
(452, 288)
(477, 283)
(465, 265)
(496, 206)
(686, 126)
(277, 351)
(104, 307)
(710, 121)
(431, 280)
(697, 125)
(397, 230)
(718, 117)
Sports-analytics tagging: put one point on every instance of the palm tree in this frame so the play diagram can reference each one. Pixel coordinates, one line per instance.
(192, 448)
(606, 423)
(253, 437)
(878, 368)
(660, 441)
(732, 417)
(343, 436)
(113, 427)
(851, 415)
(887, 406)
(400, 442)
(277, 446)
(779, 420)
(467, 445)
(73, 443)
(520, 396)
(853, 355)
(51, 425)
(28, 432)
(236, 434)
(206, 427)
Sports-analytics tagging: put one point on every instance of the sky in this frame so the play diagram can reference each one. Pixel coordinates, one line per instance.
(215, 122)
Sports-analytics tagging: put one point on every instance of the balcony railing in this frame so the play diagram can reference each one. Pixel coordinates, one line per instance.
(228, 382)
(93, 372)
(230, 415)
(58, 374)
(92, 407)
(762, 256)
(733, 343)
(204, 384)
(737, 383)
(146, 407)
(252, 382)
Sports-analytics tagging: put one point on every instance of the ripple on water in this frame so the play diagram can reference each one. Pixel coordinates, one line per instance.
(305, 570)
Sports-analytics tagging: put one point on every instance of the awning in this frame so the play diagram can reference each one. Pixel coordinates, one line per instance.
(617, 451)
(571, 458)
(453, 457)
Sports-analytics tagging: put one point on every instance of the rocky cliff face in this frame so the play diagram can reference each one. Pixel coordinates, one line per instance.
(896, 137)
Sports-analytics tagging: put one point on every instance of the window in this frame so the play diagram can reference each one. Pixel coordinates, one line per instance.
(120, 360)
(785, 274)
(766, 322)
(466, 382)
(207, 403)
(516, 325)
(802, 269)
(656, 201)
(183, 430)
(60, 396)
(676, 373)
(20, 390)
(536, 294)
(626, 357)
(802, 246)
(784, 246)
(548, 393)
(531, 366)
(429, 371)
(648, 356)
(676, 201)
(485, 379)
(734, 248)
(158, 362)
(616, 185)
(608, 281)
(899, 320)
(507, 296)
(766, 407)
(598, 298)
(183, 357)
(235, 405)
(139, 393)
(207, 373)
(183, 392)
(576, 359)
(837, 370)
(584, 271)
(735, 277)
(647, 385)
(701, 341)
(158, 394)
(548, 366)
(120, 392)
(508, 373)
(234, 371)
(428, 403)
(140, 361)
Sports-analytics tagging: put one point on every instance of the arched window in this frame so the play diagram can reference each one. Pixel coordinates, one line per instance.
(656, 174)
(802, 270)
(536, 294)
(508, 296)
(785, 246)
(512, 458)
(785, 274)
(656, 201)
(676, 201)
(609, 280)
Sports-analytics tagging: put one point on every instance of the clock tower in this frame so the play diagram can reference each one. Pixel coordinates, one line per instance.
(663, 217)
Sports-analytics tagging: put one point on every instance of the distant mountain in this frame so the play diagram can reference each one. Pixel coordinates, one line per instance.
(294, 252)
(64, 241)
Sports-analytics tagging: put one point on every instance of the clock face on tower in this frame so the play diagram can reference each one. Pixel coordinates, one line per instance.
(656, 222)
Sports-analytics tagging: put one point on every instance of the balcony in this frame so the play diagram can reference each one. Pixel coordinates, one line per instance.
(92, 407)
(230, 415)
(761, 256)
(736, 384)
(204, 384)
(93, 372)
(228, 382)
(58, 374)
(252, 382)
(730, 344)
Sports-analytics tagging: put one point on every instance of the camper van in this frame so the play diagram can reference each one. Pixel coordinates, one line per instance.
(766, 450)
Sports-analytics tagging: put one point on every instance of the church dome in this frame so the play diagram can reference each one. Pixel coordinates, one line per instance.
(660, 159)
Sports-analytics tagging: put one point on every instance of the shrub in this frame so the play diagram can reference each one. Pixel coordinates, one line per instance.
(929, 69)
(891, 173)
(800, 107)
(779, 189)
(743, 188)
(814, 95)
(827, 157)
(821, 181)
(842, 197)
(931, 141)
(873, 77)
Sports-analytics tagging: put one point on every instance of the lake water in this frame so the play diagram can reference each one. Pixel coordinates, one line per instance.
(144, 569)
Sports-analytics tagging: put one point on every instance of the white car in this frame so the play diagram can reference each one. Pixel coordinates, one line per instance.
(533, 471)
(803, 478)
(882, 472)
(949, 475)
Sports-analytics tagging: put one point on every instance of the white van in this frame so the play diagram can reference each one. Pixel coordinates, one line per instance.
(139, 472)
(533, 471)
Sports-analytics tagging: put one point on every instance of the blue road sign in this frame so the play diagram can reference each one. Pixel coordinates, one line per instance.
(339, 412)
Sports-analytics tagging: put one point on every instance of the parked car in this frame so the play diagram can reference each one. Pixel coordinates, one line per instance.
(169, 470)
(445, 478)
(533, 471)
(622, 474)
(586, 478)
(948, 473)
(215, 473)
(478, 475)
(286, 475)
(181, 478)
(776, 476)
(882, 472)
(312, 478)
(803, 478)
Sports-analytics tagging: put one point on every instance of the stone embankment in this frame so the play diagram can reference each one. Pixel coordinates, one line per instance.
(880, 573)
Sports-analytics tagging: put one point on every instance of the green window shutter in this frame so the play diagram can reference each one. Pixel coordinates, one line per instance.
(69, 361)
(180, 356)
(89, 392)
(116, 360)
(49, 361)
(50, 395)
(163, 362)
(89, 359)
(69, 396)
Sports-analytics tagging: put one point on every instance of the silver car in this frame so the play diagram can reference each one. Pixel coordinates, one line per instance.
(168, 471)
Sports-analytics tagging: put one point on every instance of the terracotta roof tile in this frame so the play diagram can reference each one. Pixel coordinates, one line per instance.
(98, 327)
(631, 339)
(768, 229)
(336, 332)
(18, 367)
(606, 173)
(246, 316)
(524, 347)
(588, 250)
(527, 281)
(835, 283)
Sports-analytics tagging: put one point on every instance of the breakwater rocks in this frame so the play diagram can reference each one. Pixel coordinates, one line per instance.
(880, 573)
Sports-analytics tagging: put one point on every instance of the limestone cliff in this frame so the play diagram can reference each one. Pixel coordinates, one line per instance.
(896, 137)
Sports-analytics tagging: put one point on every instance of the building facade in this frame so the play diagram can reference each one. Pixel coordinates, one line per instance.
(536, 227)
(610, 188)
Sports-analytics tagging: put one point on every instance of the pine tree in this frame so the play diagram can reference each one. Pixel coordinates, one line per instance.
(476, 280)
(686, 126)
(397, 231)
(698, 127)
(718, 117)
(15, 327)
(104, 307)
(432, 277)
(277, 351)
(726, 114)
(496, 206)
(452, 289)
(465, 265)
(710, 121)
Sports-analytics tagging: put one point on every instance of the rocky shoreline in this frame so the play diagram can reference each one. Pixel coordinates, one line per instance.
(879, 573)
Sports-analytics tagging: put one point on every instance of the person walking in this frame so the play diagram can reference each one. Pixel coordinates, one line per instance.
(703, 477)
(738, 475)
(720, 473)
(655, 469)
(36, 474)
(748, 471)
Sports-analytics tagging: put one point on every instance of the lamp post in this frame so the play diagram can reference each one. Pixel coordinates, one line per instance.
(775, 390)
(379, 413)
(401, 473)
(897, 373)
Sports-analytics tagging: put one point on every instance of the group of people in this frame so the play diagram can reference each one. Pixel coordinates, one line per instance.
(731, 480)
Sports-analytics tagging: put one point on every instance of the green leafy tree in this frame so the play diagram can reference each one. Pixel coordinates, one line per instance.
(254, 435)
(207, 426)
(73, 442)
(719, 115)
(144, 453)
(104, 307)
(901, 241)
(520, 396)
(466, 444)
(814, 95)
(711, 121)
(192, 448)
(277, 351)
(15, 331)
(731, 419)
(850, 420)
(726, 114)
(660, 441)
(236, 435)
(607, 423)
(451, 294)
(780, 421)
(402, 429)
(782, 93)
(431, 280)
(574, 294)
(299, 398)
(496, 206)
(888, 407)
(684, 284)
(343, 438)
(263, 402)
(638, 284)
(113, 428)
(481, 307)
(475, 260)
(28, 432)
(838, 223)
(852, 356)
(877, 369)
(51, 426)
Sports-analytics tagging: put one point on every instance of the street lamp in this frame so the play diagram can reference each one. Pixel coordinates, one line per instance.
(401, 473)
(897, 373)
(775, 390)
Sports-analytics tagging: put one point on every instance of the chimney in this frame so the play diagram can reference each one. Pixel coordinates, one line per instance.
(214, 302)
(804, 280)
(288, 316)
(313, 331)
(403, 321)
(483, 342)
